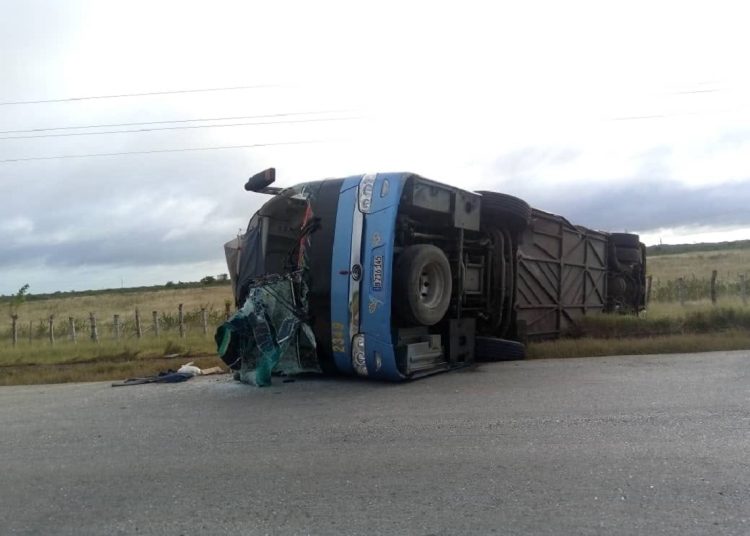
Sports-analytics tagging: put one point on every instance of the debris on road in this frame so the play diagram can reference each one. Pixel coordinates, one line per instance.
(269, 333)
(169, 376)
(191, 369)
(184, 373)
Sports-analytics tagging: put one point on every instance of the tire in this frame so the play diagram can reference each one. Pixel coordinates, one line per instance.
(629, 255)
(492, 349)
(423, 285)
(627, 240)
(514, 212)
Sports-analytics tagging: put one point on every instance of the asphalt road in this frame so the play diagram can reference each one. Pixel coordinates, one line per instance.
(619, 445)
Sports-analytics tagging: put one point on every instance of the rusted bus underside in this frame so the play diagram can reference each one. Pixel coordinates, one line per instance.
(562, 273)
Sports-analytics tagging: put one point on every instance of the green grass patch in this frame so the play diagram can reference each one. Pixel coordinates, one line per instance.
(86, 351)
(699, 321)
(660, 344)
(97, 371)
(40, 362)
(663, 329)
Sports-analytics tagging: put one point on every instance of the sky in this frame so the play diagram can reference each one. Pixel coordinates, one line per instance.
(621, 116)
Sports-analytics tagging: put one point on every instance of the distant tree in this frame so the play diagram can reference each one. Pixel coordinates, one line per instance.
(169, 284)
(208, 280)
(17, 300)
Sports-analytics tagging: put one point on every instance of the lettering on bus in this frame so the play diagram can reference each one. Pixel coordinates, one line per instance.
(377, 272)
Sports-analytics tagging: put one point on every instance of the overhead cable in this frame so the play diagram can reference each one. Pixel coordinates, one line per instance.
(124, 153)
(163, 122)
(146, 94)
(66, 134)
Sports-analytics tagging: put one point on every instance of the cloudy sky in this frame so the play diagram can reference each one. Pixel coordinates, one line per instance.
(620, 115)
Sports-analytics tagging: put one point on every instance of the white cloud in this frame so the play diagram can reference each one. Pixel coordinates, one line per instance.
(17, 226)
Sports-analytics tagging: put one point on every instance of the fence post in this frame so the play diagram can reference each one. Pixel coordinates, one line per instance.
(180, 319)
(155, 317)
(204, 320)
(94, 333)
(138, 331)
(713, 287)
(116, 322)
(681, 290)
(52, 329)
(227, 306)
(14, 321)
(743, 288)
(649, 281)
(72, 329)
(31, 331)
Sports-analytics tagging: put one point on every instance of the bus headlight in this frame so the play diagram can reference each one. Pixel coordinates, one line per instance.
(364, 197)
(358, 354)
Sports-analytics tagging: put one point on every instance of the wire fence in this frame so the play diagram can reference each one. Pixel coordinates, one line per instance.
(94, 328)
(155, 324)
(692, 288)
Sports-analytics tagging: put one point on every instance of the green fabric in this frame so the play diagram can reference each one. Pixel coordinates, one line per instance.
(224, 336)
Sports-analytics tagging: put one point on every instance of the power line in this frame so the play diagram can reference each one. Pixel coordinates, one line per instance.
(147, 94)
(639, 117)
(697, 91)
(157, 151)
(678, 114)
(231, 118)
(177, 128)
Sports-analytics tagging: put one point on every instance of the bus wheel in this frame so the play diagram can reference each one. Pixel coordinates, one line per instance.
(628, 255)
(627, 240)
(505, 211)
(422, 284)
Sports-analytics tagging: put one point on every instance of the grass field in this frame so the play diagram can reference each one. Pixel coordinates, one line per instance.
(124, 303)
(729, 264)
(667, 326)
(35, 360)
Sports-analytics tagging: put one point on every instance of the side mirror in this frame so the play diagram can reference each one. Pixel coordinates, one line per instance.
(260, 182)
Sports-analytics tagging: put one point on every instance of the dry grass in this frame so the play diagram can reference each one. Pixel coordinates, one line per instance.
(687, 276)
(675, 309)
(39, 361)
(728, 263)
(124, 303)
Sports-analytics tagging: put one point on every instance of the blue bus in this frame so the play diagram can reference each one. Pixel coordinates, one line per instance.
(393, 276)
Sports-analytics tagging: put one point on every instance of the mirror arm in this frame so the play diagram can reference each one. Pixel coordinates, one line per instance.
(270, 190)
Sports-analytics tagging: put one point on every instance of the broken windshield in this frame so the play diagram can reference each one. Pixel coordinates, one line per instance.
(274, 241)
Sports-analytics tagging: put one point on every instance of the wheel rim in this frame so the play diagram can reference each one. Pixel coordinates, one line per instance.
(431, 285)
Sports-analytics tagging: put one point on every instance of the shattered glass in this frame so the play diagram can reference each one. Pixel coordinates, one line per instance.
(270, 335)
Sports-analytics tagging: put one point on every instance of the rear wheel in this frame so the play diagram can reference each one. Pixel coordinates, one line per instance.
(628, 255)
(502, 210)
(491, 349)
(627, 240)
(423, 284)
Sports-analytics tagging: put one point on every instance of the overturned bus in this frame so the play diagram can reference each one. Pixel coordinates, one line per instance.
(393, 276)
